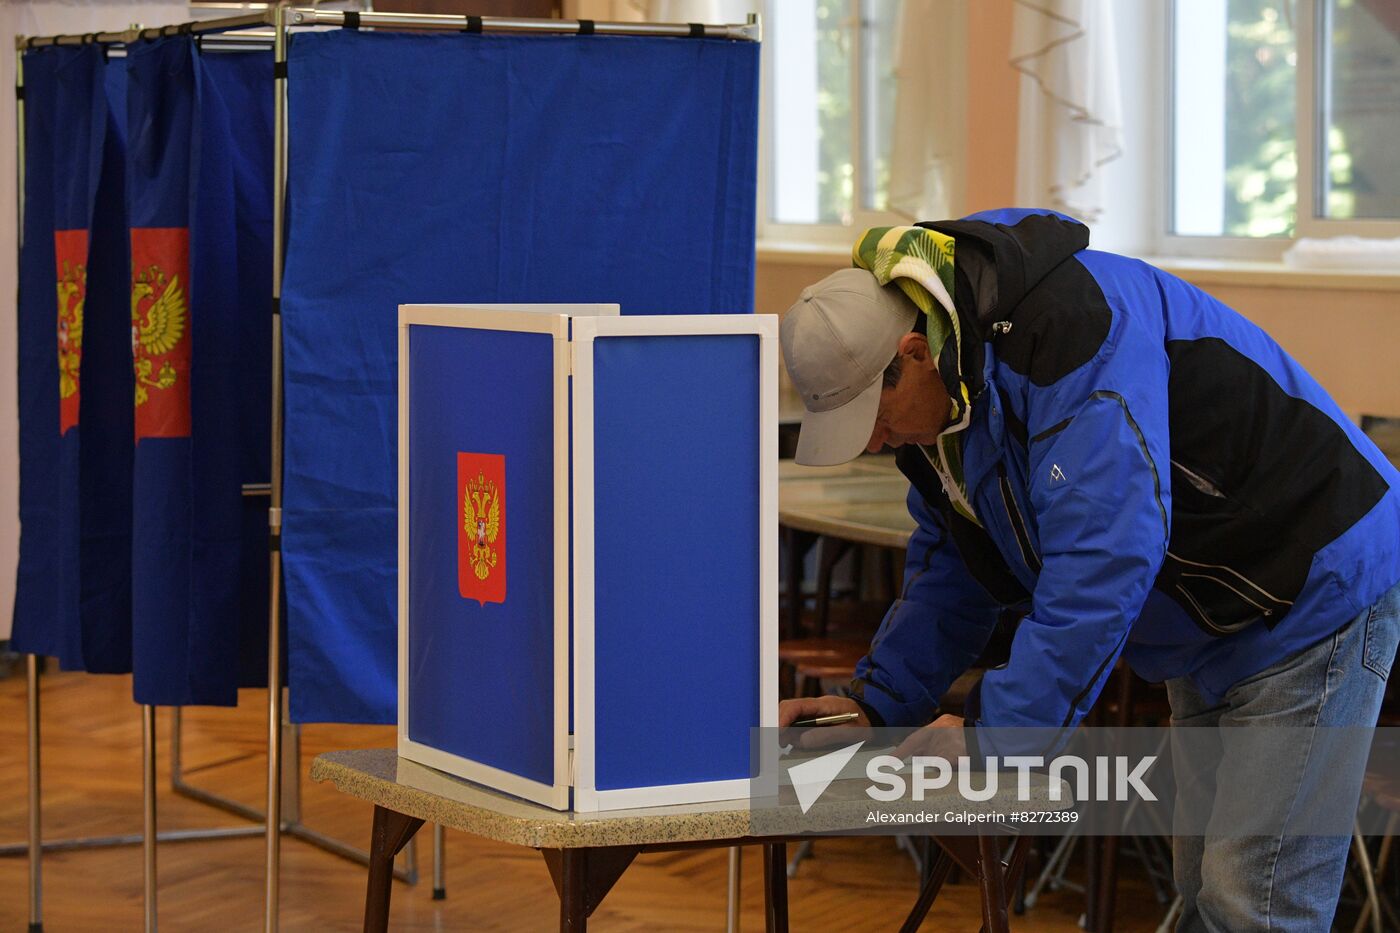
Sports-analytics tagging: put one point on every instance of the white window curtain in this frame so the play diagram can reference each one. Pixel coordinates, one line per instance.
(1071, 119)
(36, 19)
(927, 157)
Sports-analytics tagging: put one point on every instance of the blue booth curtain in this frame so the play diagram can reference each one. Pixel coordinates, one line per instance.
(474, 168)
(73, 596)
(199, 179)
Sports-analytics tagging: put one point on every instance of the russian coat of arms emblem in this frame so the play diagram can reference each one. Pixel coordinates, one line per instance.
(481, 520)
(70, 254)
(157, 324)
(160, 330)
(481, 529)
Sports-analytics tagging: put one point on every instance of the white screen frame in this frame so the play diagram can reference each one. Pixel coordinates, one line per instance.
(548, 319)
(587, 797)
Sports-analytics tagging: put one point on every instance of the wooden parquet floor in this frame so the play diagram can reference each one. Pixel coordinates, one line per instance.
(92, 786)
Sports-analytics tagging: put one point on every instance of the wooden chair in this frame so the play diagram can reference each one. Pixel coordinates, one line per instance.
(1377, 911)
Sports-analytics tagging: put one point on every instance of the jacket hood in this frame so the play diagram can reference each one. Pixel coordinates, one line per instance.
(1001, 256)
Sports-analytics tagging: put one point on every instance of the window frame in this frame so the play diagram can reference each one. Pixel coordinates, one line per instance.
(1312, 34)
(1310, 97)
(832, 235)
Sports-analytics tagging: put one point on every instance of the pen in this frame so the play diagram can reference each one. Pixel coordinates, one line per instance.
(833, 720)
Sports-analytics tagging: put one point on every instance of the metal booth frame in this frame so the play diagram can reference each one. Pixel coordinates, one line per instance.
(272, 27)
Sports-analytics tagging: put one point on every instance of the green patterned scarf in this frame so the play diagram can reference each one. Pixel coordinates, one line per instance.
(920, 262)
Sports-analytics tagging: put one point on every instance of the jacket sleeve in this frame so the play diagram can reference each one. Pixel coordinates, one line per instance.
(1098, 488)
(934, 631)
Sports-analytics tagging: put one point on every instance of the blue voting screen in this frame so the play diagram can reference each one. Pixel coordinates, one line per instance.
(473, 168)
(481, 673)
(677, 664)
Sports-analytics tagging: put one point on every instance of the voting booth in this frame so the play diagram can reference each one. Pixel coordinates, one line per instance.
(587, 550)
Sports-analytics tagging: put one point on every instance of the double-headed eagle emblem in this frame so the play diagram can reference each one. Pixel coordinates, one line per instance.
(481, 518)
(156, 332)
(72, 289)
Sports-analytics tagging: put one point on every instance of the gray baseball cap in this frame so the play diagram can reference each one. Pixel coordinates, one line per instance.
(837, 340)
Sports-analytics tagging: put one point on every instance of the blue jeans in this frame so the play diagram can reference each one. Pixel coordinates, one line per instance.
(1234, 884)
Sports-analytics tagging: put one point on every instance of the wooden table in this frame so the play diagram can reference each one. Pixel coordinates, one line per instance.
(587, 853)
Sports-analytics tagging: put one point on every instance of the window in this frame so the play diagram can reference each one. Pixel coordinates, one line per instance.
(1359, 98)
(828, 106)
(1285, 119)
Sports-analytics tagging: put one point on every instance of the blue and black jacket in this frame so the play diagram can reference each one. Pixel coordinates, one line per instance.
(1153, 476)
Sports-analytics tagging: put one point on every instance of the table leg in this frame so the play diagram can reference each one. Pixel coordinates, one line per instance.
(1108, 886)
(798, 543)
(775, 886)
(583, 877)
(1093, 862)
(992, 881)
(942, 868)
(829, 554)
(391, 832)
(573, 885)
(1105, 889)
(1016, 871)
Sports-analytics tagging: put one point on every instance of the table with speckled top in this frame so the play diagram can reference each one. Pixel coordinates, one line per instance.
(587, 852)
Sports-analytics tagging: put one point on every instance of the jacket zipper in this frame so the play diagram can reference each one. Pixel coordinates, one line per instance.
(1268, 611)
(1205, 616)
(945, 477)
(1018, 522)
(1244, 596)
(1200, 482)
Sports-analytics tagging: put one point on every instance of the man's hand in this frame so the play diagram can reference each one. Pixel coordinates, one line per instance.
(822, 736)
(942, 738)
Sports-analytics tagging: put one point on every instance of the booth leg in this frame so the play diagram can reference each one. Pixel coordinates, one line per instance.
(148, 795)
(291, 765)
(179, 785)
(272, 827)
(31, 667)
(439, 867)
(36, 845)
(736, 864)
(272, 867)
(36, 842)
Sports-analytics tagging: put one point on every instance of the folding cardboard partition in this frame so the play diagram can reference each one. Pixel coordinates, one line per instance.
(587, 550)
